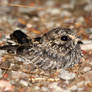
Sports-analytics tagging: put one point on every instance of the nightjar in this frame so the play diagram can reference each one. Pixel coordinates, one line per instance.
(58, 48)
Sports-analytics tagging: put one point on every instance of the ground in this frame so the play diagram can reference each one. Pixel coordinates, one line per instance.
(36, 18)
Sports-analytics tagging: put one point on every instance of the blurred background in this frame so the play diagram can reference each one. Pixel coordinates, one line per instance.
(36, 17)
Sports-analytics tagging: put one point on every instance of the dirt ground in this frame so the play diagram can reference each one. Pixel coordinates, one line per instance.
(36, 17)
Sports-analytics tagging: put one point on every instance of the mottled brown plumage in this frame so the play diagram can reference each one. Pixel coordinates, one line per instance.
(59, 48)
(56, 49)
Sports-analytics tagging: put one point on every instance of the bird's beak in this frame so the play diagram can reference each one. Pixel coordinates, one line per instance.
(77, 40)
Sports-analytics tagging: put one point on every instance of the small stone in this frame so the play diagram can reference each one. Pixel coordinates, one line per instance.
(34, 19)
(67, 6)
(88, 7)
(90, 62)
(86, 47)
(44, 89)
(24, 83)
(87, 41)
(89, 84)
(90, 36)
(0, 73)
(29, 25)
(80, 19)
(80, 89)
(18, 74)
(66, 13)
(74, 87)
(69, 20)
(36, 88)
(6, 86)
(41, 13)
(66, 90)
(55, 88)
(5, 65)
(86, 69)
(1, 53)
(50, 3)
(89, 30)
(50, 24)
(79, 84)
(65, 75)
(55, 11)
(19, 59)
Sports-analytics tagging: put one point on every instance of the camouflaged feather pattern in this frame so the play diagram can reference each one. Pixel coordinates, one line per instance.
(54, 53)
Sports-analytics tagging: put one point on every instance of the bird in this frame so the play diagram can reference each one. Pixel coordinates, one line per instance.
(59, 48)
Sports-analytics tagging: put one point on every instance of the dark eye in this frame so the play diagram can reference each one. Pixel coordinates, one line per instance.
(64, 38)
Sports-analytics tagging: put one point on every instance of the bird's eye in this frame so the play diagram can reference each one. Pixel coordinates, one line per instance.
(64, 38)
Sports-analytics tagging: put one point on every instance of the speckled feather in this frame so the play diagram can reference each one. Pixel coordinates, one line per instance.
(55, 53)
(56, 49)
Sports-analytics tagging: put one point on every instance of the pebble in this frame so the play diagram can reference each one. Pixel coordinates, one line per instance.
(89, 85)
(41, 13)
(73, 88)
(18, 74)
(35, 19)
(54, 11)
(50, 3)
(37, 88)
(66, 90)
(24, 83)
(87, 82)
(27, 9)
(80, 19)
(28, 25)
(54, 87)
(80, 89)
(90, 62)
(19, 59)
(49, 25)
(44, 89)
(69, 20)
(79, 84)
(1, 53)
(6, 86)
(87, 41)
(88, 7)
(4, 2)
(67, 6)
(66, 13)
(86, 47)
(90, 36)
(0, 73)
(86, 69)
(89, 30)
(65, 75)
(1, 58)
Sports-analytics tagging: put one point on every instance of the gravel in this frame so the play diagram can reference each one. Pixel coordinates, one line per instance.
(16, 75)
